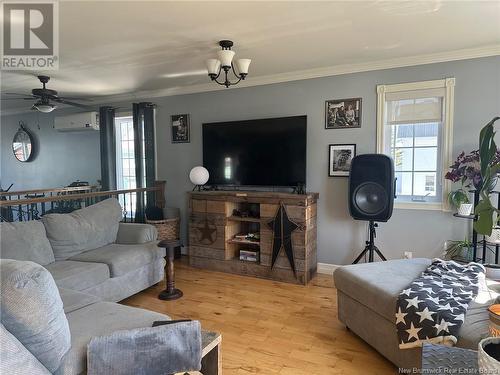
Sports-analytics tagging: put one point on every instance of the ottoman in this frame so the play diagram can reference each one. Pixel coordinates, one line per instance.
(367, 295)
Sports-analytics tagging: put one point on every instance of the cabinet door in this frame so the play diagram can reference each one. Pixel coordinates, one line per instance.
(207, 230)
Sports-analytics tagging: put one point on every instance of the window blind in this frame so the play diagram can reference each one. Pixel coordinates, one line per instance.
(416, 106)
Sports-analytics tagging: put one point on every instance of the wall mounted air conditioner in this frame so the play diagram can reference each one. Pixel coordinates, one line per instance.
(83, 121)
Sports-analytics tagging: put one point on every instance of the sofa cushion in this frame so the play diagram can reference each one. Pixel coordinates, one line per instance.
(73, 300)
(78, 275)
(25, 240)
(100, 319)
(15, 359)
(477, 319)
(123, 259)
(134, 233)
(377, 285)
(475, 327)
(85, 229)
(32, 310)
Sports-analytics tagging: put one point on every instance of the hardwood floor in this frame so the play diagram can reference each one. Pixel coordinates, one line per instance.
(268, 327)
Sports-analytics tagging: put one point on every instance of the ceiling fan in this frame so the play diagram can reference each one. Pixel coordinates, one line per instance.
(44, 97)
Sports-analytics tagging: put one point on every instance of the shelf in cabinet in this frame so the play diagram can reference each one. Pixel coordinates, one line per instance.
(247, 219)
(246, 261)
(244, 242)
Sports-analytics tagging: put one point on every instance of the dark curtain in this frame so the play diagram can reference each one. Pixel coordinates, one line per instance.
(108, 147)
(144, 153)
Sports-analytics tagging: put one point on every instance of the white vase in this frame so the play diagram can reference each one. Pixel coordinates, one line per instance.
(487, 364)
(465, 209)
(494, 237)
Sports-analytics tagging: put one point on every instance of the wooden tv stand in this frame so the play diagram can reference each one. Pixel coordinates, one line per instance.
(212, 228)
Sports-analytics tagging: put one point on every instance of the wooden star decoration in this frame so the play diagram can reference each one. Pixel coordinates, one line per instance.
(207, 232)
(282, 228)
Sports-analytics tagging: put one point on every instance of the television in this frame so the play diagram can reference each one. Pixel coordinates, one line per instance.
(266, 152)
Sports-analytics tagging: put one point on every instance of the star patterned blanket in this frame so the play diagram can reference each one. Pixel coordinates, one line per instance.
(432, 308)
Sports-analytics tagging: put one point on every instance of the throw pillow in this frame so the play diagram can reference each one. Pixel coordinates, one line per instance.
(25, 240)
(32, 310)
(85, 229)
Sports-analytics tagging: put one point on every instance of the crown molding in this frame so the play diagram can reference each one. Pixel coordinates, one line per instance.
(463, 54)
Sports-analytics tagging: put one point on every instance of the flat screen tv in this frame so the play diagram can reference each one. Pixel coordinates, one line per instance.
(266, 152)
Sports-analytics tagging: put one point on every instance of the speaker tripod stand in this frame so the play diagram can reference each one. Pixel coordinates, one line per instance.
(370, 247)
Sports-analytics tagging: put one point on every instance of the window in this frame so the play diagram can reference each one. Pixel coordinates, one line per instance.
(125, 160)
(414, 124)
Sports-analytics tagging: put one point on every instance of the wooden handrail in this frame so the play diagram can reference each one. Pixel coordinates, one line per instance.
(48, 190)
(159, 187)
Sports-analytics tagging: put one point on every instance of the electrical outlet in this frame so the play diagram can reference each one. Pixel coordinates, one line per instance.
(408, 254)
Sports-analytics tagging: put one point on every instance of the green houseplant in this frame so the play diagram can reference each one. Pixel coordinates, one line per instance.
(460, 200)
(458, 197)
(458, 249)
(485, 210)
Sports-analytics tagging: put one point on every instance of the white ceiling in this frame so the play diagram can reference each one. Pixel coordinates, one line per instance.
(159, 48)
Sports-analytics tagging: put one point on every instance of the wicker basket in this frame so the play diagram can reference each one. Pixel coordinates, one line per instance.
(168, 229)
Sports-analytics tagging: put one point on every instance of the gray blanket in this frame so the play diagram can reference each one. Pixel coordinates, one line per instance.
(159, 350)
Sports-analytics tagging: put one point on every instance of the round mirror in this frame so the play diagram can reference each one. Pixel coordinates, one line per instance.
(22, 145)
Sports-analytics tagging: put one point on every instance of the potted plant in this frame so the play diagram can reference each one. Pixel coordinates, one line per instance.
(466, 169)
(489, 166)
(459, 250)
(478, 170)
(460, 200)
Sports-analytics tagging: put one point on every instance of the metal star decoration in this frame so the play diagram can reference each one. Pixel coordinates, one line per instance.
(282, 228)
(207, 232)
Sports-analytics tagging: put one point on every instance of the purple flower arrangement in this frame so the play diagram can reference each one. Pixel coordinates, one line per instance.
(467, 169)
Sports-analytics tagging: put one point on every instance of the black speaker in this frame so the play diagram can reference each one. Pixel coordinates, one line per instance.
(371, 187)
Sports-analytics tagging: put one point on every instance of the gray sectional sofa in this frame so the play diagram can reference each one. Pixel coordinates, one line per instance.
(90, 260)
(89, 250)
(367, 295)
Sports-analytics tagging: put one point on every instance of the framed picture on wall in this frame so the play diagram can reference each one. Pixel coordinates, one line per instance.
(339, 159)
(181, 132)
(343, 113)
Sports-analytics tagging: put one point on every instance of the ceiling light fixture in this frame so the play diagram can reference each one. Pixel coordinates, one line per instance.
(43, 107)
(224, 63)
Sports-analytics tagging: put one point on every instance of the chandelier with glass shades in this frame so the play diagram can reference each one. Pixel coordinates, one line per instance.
(223, 64)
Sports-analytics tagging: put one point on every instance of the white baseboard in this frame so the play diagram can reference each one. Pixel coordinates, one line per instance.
(327, 268)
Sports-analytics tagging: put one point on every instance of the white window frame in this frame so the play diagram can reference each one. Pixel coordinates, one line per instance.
(119, 159)
(448, 84)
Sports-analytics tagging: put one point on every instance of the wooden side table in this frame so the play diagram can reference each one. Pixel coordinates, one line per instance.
(211, 361)
(171, 292)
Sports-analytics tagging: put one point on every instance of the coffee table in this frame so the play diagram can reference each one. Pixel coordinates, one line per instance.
(211, 362)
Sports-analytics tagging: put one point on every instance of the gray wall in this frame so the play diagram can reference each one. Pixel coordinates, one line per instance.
(61, 157)
(65, 157)
(340, 238)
